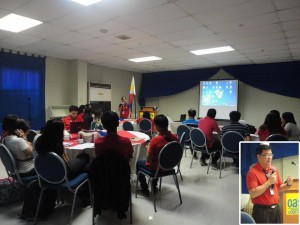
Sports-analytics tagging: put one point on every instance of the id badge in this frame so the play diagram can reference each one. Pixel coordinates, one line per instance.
(271, 191)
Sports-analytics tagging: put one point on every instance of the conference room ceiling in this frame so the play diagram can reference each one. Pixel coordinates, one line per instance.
(110, 32)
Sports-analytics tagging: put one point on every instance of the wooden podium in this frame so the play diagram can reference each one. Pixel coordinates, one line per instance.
(149, 109)
(290, 203)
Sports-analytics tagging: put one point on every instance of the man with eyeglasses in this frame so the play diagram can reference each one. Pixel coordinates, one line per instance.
(264, 183)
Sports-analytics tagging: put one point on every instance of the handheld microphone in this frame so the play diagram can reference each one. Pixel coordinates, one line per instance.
(273, 171)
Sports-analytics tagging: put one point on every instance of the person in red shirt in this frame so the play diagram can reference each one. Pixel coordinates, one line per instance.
(263, 183)
(72, 117)
(112, 141)
(156, 144)
(124, 109)
(208, 125)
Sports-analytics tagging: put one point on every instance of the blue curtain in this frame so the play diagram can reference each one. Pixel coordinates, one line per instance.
(22, 92)
(280, 78)
(248, 157)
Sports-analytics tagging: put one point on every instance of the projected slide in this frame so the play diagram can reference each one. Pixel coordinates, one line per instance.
(219, 94)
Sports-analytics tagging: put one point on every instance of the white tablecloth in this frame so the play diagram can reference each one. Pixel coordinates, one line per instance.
(139, 151)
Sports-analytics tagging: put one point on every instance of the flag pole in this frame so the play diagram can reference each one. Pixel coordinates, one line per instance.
(134, 107)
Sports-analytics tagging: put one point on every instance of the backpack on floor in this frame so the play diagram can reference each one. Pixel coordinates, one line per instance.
(10, 191)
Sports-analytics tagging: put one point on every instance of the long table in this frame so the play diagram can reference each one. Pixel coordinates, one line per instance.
(138, 141)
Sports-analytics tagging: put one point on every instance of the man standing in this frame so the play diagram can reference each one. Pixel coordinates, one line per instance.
(264, 183)
(72, 117)
(124, 109)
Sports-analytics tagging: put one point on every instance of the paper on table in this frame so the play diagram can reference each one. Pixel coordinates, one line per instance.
(83, 146)
(136, 139)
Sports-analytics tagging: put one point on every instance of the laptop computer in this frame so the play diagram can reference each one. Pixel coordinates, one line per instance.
(182, 118)
(75, 127)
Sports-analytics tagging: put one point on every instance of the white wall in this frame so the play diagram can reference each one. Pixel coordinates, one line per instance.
(254, 104)
(61, 81)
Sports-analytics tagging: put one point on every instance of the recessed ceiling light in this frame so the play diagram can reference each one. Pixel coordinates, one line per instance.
(16, 23)
(145, 59)
(86, 2)
(213, 50)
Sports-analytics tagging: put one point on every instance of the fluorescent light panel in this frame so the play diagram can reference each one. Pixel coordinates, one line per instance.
(213, 50)
(145, 59)
(16, 23)
(86, 2)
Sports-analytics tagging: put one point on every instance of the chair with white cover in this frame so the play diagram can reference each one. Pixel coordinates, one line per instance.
(230, 146)
(146, 126)
(128, 126)
(198, 141)
(168, 159)
(52, 174)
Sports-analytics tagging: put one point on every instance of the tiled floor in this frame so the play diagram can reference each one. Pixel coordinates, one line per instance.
(207, 200)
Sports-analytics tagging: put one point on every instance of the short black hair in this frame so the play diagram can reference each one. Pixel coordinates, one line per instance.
(261, 148)
(9, 122)
(20, 124)
(146, 115)
(192, 112)
(161, 121)
(73, 108)
(235, 116)
(110, 121)
(211, 113)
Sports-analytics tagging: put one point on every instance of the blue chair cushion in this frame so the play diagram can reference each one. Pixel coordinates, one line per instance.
(72, 183)
(28, 179)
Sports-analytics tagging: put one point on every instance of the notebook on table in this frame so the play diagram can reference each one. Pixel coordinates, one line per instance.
(75, 127)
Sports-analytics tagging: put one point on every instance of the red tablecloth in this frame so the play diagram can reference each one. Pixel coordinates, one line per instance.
(122, 133)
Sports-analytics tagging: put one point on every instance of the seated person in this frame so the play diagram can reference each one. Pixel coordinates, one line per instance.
(191, 120)
(208, 125)
(51, 140)
(72, 117)
(234, 125)
(146, 115)
(87, 116)
(110, 122)
(156, 144)
(21, 149)
(290, 126)
(7, 124)
(270, 126)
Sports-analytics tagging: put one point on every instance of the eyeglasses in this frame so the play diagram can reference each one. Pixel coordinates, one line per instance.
(268, 155)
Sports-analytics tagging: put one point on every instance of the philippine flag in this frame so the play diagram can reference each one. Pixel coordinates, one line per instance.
(131, 93)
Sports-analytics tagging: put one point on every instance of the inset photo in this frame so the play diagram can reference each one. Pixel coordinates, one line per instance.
(269, 182)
